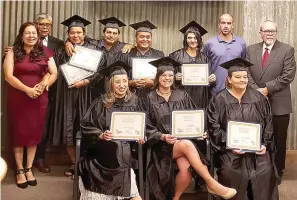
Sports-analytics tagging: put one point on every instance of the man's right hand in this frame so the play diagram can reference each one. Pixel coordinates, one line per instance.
(7, 49)
(69, 48)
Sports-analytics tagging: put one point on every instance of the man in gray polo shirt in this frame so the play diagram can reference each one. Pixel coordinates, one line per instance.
(221, 48)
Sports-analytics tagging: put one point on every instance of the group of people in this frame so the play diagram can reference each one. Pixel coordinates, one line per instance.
(247, 84)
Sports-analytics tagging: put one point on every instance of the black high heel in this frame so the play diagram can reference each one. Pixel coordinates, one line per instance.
(21, 185)
(31, 182)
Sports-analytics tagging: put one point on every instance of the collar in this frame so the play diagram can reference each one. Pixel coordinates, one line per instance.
(248, 96)
(46, 39)
(220, 39)
(269, 47)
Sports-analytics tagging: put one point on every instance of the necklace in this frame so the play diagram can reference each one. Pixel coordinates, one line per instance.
(166, 93)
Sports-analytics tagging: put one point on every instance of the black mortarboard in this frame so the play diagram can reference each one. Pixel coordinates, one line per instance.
(193, 25)
(116, 68)
(76, 21)
(112, 22)
(145, 26)
(237, 64)
(166, 63)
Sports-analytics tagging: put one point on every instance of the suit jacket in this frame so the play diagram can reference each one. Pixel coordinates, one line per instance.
(276, 75)
(54, 43)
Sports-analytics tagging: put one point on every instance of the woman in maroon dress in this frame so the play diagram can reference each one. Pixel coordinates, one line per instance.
(29, 69)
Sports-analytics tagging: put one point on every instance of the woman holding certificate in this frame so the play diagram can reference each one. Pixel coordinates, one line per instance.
(240, 128)
(197, 84)
(159, 105)
(72, 101)
(106, 168)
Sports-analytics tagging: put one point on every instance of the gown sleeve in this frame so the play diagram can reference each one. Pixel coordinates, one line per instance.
(267, 136)
(216, 134)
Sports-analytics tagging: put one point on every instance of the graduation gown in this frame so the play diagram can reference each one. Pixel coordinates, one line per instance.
(106, 165)
(161, 174)
(237, 170)
(134, 53)
(199, 94)
(71, 103)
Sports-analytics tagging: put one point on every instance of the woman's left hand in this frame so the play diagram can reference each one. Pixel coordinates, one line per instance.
(41, 86)
(204, 136)
(140, 141)
(262, 151)
(212, 78)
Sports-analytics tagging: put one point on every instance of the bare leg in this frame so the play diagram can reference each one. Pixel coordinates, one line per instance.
(18, 155)
(136, 198)
(71, 153)
(183, 178)
(185, 148)
(30, 158)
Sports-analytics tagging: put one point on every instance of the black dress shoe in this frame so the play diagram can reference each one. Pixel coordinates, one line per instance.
(21, 185)
(41, 165)
(30, 182)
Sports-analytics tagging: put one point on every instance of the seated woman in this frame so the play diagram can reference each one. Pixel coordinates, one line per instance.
(106, 168)
(159, 105)
(248, 173)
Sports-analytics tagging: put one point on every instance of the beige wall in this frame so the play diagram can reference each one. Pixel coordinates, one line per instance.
(169, 17)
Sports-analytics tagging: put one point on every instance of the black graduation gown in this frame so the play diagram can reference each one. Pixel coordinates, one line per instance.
(199, 94)
(160, 172)
(237, 170)
(134, 53)
(105, 165)
(71, 103)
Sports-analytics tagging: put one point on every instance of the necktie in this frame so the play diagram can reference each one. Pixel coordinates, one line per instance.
(265, 57)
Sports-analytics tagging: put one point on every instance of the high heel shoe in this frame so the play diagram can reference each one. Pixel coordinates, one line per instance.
(231, 193)
(31, 182)
(21, 185)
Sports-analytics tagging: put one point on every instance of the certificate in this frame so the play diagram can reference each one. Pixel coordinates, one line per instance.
(73, 74)
(195, 74)
(85, 58)
(141, 68)
(127, 125)
(245, 136)
(188, 123)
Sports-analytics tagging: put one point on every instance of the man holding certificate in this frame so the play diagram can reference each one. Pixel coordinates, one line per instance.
(72, 101)
(106, 170)
(161, 104)
(240, 128)
(142, 73)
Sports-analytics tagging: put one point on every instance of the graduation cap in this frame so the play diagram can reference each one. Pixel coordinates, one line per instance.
(76, 21)
(166, 64)
(235, 65)
(112, 22)
(145, 26)
(116, 68)
(193, 25)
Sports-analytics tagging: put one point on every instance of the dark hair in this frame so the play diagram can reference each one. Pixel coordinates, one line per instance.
(227, 84)
(197, 35)
(161, 71)
(18, 45)
(110, 27)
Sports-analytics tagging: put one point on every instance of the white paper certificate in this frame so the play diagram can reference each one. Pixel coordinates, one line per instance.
(73, 74)
(127, 125)
(142, 69)
(195, 74)
(188, 123)
(245, 136)
(85, 58)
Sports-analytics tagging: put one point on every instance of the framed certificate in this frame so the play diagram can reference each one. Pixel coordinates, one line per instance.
(142, 69)
(127, 125)
(245, 136)
(195, 74)
(73, 74)
(85, 58)
(188, 123)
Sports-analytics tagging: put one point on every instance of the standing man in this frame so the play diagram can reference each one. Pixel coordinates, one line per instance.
(273, 71)
(43, 22)
(222, 48)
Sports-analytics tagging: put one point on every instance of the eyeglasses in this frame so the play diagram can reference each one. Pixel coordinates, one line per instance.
(266, 32)
(44, 24)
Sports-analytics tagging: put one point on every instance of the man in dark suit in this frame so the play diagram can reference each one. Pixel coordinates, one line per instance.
(273, 71)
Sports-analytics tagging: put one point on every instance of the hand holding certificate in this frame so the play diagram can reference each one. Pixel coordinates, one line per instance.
(244, 136)
(73, 74)
(195, 74)
(87, 59)
(141, 69)
(127, 125)
(188, 123)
